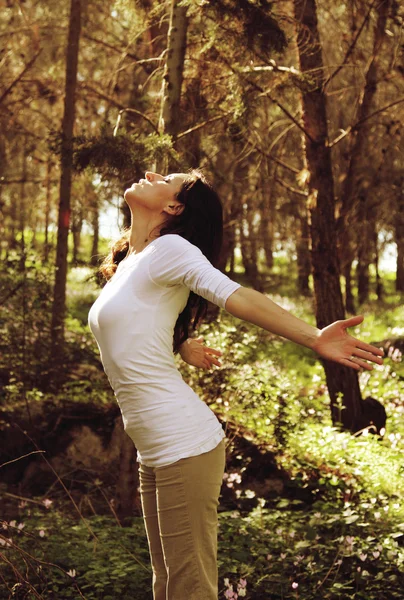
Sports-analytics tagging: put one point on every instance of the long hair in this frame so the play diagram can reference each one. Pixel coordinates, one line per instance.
(201, 223)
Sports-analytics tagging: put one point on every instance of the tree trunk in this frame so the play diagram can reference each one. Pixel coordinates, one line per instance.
(364, 244)
(379, 284)
(353, 181)
(12, 239)
(22, 205)
(127, 497)
(349, 298)
(303, 257)
(95, 222)
(328, 298)
(59, 298)
(267, 221)
(173, 73)
(47, 211)
(77, 224)
(399, 239)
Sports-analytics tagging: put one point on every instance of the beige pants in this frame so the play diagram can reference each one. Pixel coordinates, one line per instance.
(180, 511)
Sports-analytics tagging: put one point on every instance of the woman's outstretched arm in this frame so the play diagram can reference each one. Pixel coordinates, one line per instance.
(331, 342)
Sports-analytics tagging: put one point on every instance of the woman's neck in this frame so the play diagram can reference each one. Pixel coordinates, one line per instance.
(142, 232)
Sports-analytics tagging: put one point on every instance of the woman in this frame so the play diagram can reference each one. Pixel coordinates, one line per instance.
(160, 277)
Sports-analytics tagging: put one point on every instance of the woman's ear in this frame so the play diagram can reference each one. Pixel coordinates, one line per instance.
(174, 209)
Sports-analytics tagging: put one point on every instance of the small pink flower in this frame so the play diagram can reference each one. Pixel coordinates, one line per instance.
(242, 583)
(363, 557)
(269, 556)
(41, 533)
(283, 556)
(376, 554)
(47, 503)
(295, 585)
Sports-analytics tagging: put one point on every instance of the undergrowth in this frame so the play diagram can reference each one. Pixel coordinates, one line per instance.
(346, 543)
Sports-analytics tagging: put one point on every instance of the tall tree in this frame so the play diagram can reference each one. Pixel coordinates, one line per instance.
(59, 297)
(353, 196)
(174, 68)
(321, 204)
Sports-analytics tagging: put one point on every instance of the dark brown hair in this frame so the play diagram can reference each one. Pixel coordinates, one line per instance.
(201, 223)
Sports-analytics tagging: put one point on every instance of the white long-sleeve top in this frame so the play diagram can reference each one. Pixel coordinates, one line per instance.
(133, 323)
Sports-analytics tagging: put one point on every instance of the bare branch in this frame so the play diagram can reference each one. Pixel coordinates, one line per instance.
(288, 114)
(17, 79)
(20, 457)
(268, 95)
(9, 181)
(109, 46)
(119, 105)
(200, 125)
(352, 128)
(291, 188)
(350, 49)
(275, 159)
(272, 67)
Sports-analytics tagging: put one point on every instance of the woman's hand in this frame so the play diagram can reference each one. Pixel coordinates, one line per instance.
(194, 353)
(334, 343)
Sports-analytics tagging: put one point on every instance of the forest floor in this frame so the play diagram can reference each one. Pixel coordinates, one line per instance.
(326, 522)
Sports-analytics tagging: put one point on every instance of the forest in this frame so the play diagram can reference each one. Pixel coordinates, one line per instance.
(294, 110)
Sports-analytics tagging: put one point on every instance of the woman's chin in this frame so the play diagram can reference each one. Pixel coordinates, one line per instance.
(129, 194)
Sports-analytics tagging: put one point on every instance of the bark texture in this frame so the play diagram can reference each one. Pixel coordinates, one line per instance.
(174, 69)
(321, 204)
(399, 239)
(59, 297)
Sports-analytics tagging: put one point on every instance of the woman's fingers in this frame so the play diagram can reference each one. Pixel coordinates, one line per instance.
(352, 321)
(373, 352)
(368, 355)
(213, 351)
(348, 362)
(369, 348)
(356, 363)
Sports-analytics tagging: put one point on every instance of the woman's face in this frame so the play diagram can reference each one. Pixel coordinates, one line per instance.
(155, 192)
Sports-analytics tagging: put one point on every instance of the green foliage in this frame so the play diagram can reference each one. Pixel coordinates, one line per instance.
(24, 325)
(26, 298)
(344, 541)
(113, 156)
(329, 551)
(98, 557)
(252, 23)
